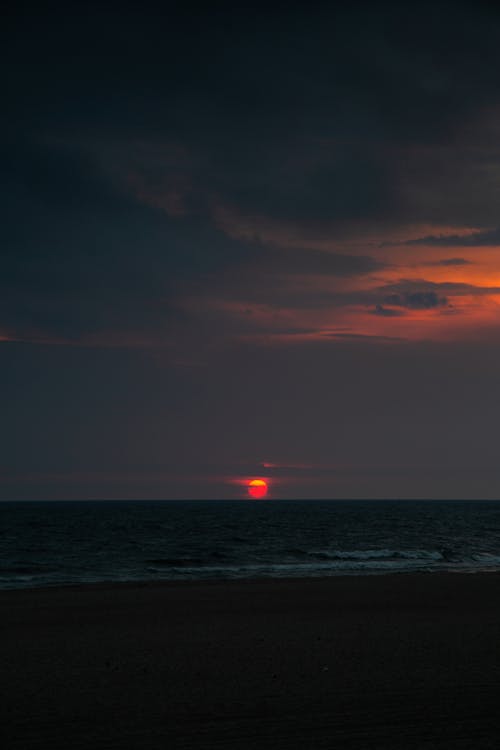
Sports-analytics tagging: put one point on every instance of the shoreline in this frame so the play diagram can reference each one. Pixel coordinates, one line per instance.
(381, 662)
(178, 582)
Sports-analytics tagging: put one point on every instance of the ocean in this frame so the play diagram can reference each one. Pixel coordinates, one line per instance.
(60, 543)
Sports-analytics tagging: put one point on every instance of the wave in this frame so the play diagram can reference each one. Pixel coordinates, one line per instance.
(175, 562)
(336, 563)
(24, 570)
(486, 558)
(376, 554)
(296, 552)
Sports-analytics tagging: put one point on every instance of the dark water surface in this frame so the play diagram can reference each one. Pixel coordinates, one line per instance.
(51, 543)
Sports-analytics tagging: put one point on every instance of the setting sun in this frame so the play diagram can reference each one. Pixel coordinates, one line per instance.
(257, 488)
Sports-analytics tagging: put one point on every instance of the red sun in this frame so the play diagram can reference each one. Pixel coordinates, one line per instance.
(257, 488)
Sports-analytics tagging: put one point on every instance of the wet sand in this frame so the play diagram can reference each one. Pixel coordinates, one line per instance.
(409, 661)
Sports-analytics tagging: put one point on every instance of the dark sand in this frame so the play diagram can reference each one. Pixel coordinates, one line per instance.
(410, 661)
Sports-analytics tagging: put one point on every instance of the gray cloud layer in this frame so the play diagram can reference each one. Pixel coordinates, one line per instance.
(488, 238)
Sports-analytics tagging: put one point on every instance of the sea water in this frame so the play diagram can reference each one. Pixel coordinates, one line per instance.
(54, 543)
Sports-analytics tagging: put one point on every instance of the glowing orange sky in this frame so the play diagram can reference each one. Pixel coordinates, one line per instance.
(473, 306)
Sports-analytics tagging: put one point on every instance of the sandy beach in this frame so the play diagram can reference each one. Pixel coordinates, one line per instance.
(409, 661)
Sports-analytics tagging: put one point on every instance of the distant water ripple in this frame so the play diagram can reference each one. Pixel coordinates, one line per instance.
(46, 544)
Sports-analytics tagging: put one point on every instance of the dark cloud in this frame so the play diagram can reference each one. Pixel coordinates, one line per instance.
(306, 135)
(487, 238)
(406, 288)
(411, 294)
(366, 338)
(416, 300)
(454, 262)
(387, 312)
(93, 261)
(315, 262)
(81, 256)
(328, 183)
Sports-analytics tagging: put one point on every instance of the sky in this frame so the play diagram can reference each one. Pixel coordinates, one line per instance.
(250, 241)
